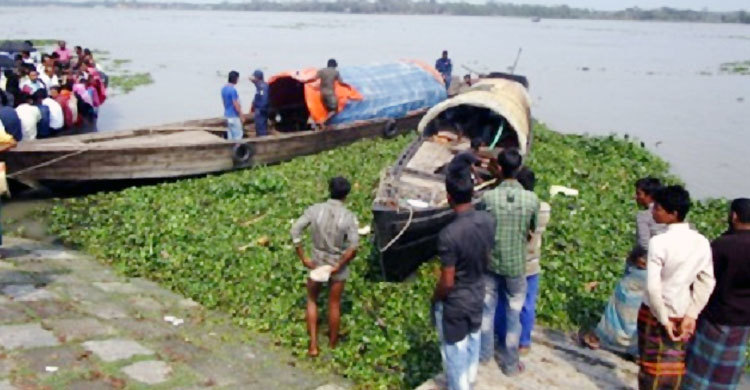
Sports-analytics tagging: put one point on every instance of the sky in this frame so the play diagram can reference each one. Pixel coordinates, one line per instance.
(713, 5)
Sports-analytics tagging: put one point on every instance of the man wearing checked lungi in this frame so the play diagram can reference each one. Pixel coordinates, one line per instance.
(716, 355)
(679, 281)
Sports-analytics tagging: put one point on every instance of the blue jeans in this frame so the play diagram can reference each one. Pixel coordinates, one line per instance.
(234, 129)
(514, 290)
(461, 359)
(261, 123)
(528, 313)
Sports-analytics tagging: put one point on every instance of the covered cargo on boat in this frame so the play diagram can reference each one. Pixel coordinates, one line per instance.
(411, 205)
(497, 110)
(367, 92)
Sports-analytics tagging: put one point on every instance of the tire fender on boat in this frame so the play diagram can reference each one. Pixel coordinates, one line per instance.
(390, 129)
(242, 153)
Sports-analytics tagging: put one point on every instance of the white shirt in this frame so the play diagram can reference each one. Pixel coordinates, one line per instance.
(49, 82)
(29, 116)
(680, 273)
(56, 118)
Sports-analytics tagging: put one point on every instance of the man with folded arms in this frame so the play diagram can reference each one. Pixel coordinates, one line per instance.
(679, 281)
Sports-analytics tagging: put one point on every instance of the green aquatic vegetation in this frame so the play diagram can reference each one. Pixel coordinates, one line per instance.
(44, 42)
(737, 67)
(118, 62)
(127, 82)
(199, 237)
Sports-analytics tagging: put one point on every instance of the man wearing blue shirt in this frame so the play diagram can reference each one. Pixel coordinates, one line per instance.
(232, 108)
(445, 67)
(259, 108)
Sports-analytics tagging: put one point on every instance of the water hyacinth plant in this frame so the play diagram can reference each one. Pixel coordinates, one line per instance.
(224, 241)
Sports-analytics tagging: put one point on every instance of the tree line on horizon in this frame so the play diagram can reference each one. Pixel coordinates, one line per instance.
(430, 7)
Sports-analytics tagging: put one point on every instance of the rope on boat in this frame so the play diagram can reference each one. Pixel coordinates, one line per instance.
(46, 163)
(497, 136)
(442, 204)
(393, 241)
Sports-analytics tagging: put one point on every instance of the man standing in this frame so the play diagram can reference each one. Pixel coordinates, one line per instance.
(464, 248)
(259, 107)
(679, 281)
(335, 240)
(516, 212)
(716, 356)
(232, 108)
(533, 268)
(63, 54)
(445, 67)
(328, 77)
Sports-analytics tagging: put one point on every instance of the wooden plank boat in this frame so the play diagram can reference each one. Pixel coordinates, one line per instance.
(410, 207)
(178, 150)
(380, 100)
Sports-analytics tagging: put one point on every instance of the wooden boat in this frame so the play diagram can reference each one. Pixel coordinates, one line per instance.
(378, 100)
(410, 207)
(183, 149)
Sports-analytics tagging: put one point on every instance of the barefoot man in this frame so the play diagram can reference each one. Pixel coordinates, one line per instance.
(335, 239)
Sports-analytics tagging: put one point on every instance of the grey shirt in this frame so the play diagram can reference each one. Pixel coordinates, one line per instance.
(333, 231)
(328, 77)
(645, 228)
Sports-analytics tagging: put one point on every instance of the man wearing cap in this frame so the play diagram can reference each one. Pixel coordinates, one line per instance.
(259, 108)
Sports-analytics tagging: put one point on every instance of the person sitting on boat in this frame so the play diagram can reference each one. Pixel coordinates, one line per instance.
(9, 118)
(335, 239)
(259, 108)
(42, 126)
(232, 108)
(31, 83)
(29, 115)
(328, 77)
(445, 67)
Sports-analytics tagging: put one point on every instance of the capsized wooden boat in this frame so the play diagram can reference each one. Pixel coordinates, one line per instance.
(184, 149)
(410, 207)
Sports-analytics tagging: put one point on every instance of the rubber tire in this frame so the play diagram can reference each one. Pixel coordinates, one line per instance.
(242, 153)
(390, 129)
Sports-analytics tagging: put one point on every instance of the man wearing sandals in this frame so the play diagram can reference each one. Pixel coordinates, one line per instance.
(335, 239)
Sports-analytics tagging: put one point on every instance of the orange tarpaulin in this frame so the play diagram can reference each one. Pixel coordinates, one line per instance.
(313, 99)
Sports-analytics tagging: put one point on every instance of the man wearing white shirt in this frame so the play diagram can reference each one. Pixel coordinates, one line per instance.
(29, 115)
(56, 118)
(680, 279)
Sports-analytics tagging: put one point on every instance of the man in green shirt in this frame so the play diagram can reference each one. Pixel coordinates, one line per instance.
(516, 211)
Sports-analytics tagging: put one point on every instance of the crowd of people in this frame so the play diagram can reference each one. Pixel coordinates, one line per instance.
(681, 310)
(45, 94)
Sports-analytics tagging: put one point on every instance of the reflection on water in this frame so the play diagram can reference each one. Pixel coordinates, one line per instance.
(655, 81)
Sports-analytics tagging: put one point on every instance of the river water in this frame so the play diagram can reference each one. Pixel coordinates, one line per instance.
(658, 82)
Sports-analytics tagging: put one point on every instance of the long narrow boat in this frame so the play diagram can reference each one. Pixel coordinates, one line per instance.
(377, 100)
(187, 149)
(411, 207)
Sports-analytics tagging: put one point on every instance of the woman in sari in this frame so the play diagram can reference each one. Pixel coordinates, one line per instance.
(617, 329)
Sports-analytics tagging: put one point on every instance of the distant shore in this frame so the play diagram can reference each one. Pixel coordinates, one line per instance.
(409, 7)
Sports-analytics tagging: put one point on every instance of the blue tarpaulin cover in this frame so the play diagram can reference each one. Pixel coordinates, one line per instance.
(389, 90)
